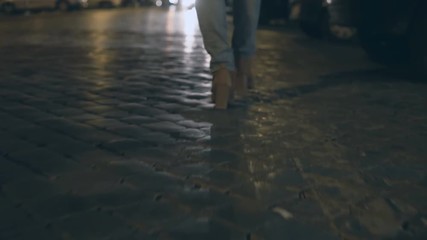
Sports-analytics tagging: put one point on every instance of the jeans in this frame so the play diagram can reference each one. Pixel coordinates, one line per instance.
(213, 25)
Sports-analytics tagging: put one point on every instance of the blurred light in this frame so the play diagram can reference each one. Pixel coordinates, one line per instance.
(189, 26)
(329, 1)
(173, 2)
(188, 3)
(159, 3)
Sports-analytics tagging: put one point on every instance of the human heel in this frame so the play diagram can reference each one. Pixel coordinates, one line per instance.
(221, 88)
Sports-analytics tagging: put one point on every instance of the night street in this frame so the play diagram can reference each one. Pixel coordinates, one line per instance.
(107, 132)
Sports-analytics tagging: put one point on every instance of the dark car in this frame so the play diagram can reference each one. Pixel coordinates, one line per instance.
(395, 31)
(314, 17)
(270, 9)
(274, 9)
(327, 18)
(391, 31)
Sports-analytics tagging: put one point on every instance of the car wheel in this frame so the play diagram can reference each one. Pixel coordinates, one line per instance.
(377, 40)
(273, 10)
(8, 8)
(383, 47)
(264, 14)
(318, 28)
(314, 19)
(418, 40)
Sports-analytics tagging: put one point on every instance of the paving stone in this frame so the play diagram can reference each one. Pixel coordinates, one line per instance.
(9, 121)
(131, 106)
(10, 144)
(42, 161)
(125, 168)
(286, 177)
(60, 205)
(48, 107)
(92, 225)
(22, 111)
(96, 137)
(37, 135)
(157, 139)
(10, 171)
(278, 228)
(98, 158)
(5, 205)
(221, 156)
(20, 192)
(125, 195)
(98, 109)
(191, 169)
(125, 146)
(150, 214)
(107, 101)
(170, 117)
(222, 178)
(397, 172)
(143, 110)
(87, 182)
(131, 131)
(67, 112)
(155, 155)
(106, 123)
(69, 148)
(192, 134)
(64, 126)
(137, 119)
(83, 117)
(39, 232)
(168, 127)
(13, 221)
(198, 196)
(205, 228)
(114, 114)
(155, 182)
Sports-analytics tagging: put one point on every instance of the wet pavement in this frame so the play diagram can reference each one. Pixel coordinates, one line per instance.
(107, 132)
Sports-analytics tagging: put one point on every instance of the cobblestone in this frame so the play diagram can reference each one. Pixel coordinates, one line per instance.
(107, 132)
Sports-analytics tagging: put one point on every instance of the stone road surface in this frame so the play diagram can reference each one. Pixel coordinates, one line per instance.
(107, 132)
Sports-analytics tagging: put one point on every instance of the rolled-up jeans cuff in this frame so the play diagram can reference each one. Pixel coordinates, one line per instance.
(244, 54)
(216, 66)
(224, 59)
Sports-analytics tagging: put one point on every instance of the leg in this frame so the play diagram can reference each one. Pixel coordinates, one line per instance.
(213, 25)
(246, 17)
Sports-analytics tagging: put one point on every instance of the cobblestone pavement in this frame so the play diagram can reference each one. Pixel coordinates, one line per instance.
(107, 132)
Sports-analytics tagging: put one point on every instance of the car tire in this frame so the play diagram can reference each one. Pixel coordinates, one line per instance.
(418, 40)
(263, 19)
(314, 19)
(8, 8)
(376, 38)
(272, 11)
(264, 14)
(384, 48)
(319, 28)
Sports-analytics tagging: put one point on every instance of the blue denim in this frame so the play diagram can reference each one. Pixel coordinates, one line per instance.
(213, 25)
